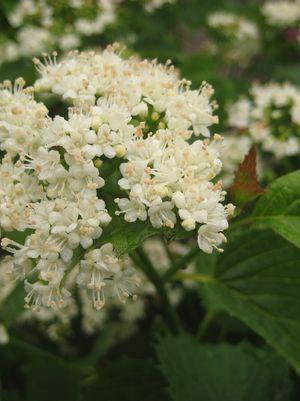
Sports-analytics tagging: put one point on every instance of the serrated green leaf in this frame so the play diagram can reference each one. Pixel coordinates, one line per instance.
(257, 280)
(207, 372)
(127, 380)
(279, 208)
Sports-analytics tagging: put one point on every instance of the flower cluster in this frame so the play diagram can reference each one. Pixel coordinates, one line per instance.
(239, 37)
(137, 112)
(40, 25)
(271, 117)
(57, 323)
(282, 13)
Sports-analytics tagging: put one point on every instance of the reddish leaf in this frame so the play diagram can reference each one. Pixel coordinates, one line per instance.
(246, 186)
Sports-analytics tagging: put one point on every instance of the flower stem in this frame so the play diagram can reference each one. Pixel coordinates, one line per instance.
(142, 260)
(167, 249)
(180, 264)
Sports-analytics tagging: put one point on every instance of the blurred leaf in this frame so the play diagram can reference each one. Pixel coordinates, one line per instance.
(246, 186)
(257, 280)
(51, 379)
(46, 377)
(13, 305)
(206, 372)
(127, 380)
(22, 67)
(111, 334)
(11, 396)
(279, 208)
(7, 6)
(288, 72)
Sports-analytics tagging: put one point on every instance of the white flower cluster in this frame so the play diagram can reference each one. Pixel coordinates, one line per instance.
(282, 13)
(43, 25)
(136, 110)
(240, 36)
(29, 40)
(57, 322)
(271, 117)
(151, 5)
(131, 312)
(40, 25)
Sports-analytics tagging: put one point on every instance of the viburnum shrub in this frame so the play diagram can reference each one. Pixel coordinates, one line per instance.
(149, 223)
(133, 146)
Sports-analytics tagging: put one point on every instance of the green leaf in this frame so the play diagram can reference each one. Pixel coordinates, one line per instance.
(127, 380)
(125, 236)
(257, 280)
(279, 208)
(210, 372)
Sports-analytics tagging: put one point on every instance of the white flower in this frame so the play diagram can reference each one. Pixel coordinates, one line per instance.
(21, 118)
(209, 238)
(162, 215)
(39, 294)
(282, 13)
(33, 40)
(270, 116)
(104, 275)
(239, 113)
(132, 208)
(241, 38)
(152, 5)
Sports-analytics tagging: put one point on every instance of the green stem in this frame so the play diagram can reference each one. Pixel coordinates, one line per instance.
(167, 249)
(205, 324)
(181, 263)
(141, 259)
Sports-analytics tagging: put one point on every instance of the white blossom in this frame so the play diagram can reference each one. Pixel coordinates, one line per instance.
(282, 13)
(135, 135)
(271, 117)
(241, 36)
